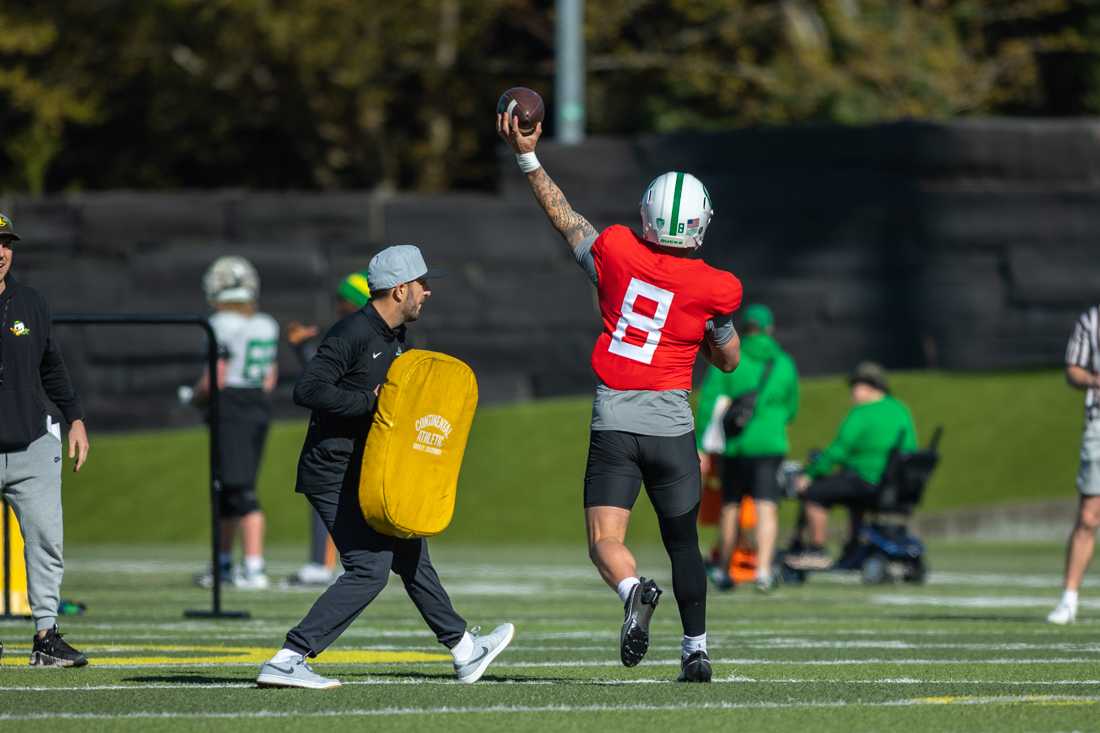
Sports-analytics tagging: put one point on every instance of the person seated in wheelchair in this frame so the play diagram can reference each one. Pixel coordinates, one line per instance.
(849, 472)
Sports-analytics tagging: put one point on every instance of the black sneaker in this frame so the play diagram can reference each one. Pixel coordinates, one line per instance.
(720, 578)
(634, 638)
(695, 668)
(53, 651)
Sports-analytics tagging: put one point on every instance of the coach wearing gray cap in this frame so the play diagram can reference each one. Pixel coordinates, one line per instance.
(341, 385)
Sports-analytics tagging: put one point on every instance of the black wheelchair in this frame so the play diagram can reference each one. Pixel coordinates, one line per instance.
(885, 548)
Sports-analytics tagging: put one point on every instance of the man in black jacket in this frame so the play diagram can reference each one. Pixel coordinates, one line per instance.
(352, 295)
(340, 385)
(31, 369)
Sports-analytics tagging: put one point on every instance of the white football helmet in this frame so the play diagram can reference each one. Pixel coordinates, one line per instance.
(676, 210)
(231, 279)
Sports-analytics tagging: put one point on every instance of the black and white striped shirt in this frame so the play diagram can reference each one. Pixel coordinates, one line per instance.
(1084, 351)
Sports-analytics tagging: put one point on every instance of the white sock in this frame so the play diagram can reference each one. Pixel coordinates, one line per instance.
(763, 575)
(1069, 598)
(254, 563)
(692, 644)
(285, 655)
(464, 648)
(625, 586)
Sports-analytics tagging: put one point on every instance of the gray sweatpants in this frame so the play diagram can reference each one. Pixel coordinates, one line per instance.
(30, 480)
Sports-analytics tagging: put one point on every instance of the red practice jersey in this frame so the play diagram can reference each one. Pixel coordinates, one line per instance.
(654, 308)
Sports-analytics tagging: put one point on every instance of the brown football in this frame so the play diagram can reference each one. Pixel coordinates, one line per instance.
(524, 103)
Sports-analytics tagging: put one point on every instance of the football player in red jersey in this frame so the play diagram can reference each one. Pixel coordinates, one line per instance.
(660, 307)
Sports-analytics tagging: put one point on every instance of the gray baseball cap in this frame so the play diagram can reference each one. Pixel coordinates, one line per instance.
(398, 264)
(7, 228)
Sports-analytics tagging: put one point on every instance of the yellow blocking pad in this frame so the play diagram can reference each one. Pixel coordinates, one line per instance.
(19, 605)
(123, 655)
(416, 443)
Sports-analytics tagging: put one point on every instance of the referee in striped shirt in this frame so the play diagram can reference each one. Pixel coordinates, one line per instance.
(1083, 372)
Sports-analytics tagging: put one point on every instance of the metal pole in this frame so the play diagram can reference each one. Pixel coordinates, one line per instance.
(569, 81)
(215, 475)
(215, 429)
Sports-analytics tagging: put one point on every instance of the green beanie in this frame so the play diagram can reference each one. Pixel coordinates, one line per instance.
(354, 289)
(759, 315)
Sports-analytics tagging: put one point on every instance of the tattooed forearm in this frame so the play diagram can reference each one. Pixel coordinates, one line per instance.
(573, 227)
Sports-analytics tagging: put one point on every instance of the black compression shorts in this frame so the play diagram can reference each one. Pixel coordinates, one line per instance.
(619, 462)
(242, 432)
(845, 488)
(756, 477)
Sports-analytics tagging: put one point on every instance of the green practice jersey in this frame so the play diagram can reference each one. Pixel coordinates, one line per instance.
(776, 403)
(866, 436)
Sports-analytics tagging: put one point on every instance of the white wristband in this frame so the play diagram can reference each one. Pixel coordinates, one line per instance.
(528, 162)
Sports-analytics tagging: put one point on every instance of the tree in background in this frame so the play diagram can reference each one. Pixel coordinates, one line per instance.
(38, 99)
(332, 94)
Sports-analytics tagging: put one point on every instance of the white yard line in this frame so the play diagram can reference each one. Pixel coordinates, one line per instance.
(457, 572)
(513, 709)
(917, 599)
(1000, 580)
(670, 662)
(807, 662)
(108, 645)
(414, 681)
(761, 637)
(450, 570)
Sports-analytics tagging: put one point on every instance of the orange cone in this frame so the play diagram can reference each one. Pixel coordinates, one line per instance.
(743, 561)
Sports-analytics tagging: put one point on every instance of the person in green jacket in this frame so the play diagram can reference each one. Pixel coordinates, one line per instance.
(750, 460)
(848, 472)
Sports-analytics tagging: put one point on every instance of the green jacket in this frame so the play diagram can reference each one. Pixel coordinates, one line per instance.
(776, 404)
(866, 436)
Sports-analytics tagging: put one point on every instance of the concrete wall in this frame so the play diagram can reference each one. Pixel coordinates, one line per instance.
(964, 246)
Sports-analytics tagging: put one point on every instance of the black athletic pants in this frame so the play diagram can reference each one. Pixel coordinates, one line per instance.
(368, 557)
(318, 539)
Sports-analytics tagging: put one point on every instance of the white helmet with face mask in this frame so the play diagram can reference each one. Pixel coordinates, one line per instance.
(231, 279)
(676, 210)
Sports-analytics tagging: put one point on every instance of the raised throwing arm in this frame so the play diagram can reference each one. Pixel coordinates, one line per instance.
(573, 227)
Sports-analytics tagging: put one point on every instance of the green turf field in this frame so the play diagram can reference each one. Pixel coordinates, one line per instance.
(968, 651)
(1009, 438)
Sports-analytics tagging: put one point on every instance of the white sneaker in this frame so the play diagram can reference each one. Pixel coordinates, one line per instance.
(205, 579)
(1062, 614)
(312, 574)
(486, 649)
(295, 673)
(252, 581)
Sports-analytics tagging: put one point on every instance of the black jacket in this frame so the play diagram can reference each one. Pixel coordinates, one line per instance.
(338, 386)
(31, 369)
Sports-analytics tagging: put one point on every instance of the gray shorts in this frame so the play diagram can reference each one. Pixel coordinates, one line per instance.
(1088, 476)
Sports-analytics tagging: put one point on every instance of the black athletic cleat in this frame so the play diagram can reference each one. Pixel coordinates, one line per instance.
(53, 651)
(634, 639)
(695, 668)
(720, 577)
